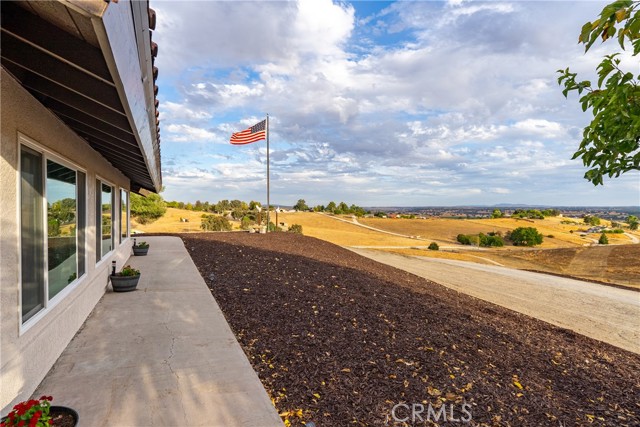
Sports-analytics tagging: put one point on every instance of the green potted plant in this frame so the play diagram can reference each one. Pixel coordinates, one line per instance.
(126, 280)
(39, 413)
(140, 249)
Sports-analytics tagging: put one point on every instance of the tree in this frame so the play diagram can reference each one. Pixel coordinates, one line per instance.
(301, 205)
(147, 209)
(497, 213)
(604, 240)
(632, 220)
(433, 246)
(611, 142)
(331, 206)
(526, 236)
(253, 205)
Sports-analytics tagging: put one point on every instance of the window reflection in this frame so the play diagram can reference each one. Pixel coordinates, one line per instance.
(124, 218)
(107, 219)
(61, 227)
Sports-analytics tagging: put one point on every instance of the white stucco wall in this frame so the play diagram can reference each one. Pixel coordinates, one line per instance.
(27, 355)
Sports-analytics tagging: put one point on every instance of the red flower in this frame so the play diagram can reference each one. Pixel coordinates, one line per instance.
(21, 423)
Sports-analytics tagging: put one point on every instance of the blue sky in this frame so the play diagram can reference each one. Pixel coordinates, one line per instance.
(377, 103)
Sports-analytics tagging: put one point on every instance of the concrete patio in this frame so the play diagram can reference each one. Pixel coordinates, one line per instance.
(162, 355)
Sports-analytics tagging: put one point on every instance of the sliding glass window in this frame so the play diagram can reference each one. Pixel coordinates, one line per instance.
(52, 246)
(124, 215)
(104, 209)
(31, 233)
(62, 247)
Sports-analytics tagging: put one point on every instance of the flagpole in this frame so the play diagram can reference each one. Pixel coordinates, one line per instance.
(268, 201)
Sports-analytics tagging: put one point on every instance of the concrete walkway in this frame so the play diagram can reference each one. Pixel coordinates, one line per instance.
(162, 355)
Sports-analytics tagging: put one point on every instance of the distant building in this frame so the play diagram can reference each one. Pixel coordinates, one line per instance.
(79, 132)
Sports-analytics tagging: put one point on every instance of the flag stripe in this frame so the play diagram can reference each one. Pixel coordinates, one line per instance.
(255, 133)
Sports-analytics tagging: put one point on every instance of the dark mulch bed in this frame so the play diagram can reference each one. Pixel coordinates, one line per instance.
(345, 339)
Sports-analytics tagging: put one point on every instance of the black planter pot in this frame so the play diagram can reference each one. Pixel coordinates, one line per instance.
(140, 251)
(58, 414)
(124, 283)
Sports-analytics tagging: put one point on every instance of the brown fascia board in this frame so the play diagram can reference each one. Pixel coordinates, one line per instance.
(116, 31)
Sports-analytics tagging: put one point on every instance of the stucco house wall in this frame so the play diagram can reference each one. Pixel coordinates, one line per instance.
(27, 352)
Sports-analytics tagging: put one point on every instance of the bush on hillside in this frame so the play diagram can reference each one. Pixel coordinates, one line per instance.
(246, 222)
(604, 240)
(295, 228)
(434, 246)
(464, 239)
(490, 240)
(215, 223)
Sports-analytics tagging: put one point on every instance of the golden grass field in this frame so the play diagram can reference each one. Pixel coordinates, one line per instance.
(565, 253)
(170, 222)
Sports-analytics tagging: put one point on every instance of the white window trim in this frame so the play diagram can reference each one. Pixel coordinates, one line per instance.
(47, 154)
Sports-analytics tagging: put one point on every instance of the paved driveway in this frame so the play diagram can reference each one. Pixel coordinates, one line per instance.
(602, 312)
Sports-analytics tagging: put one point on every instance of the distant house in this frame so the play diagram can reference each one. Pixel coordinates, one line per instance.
(79, 132)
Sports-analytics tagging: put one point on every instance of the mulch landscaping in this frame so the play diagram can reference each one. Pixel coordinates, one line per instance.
(339, 340)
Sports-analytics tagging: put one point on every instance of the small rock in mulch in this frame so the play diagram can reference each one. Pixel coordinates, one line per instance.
(338, 340)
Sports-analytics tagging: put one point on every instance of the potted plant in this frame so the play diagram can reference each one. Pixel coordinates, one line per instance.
(40, 413)
(140, 249)
(126, 280)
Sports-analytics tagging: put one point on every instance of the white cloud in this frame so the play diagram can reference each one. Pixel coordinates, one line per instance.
(186, 133)
(460, 96)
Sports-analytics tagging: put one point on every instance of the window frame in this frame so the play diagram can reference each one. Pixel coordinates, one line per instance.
(127, 215)
(98, 224)
(49, 304)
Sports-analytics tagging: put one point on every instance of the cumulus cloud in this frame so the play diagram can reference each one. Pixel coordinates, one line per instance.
(437, 102)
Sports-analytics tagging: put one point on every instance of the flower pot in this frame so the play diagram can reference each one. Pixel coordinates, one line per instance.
(63, 416)
(124, 283)
(138, 251)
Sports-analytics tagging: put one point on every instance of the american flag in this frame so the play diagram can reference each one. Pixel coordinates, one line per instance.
(255, 133)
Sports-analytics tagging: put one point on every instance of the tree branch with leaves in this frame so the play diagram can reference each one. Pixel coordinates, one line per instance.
(610, 144)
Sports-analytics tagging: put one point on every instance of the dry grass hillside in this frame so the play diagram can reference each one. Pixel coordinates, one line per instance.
(565, 253)
(170, 223)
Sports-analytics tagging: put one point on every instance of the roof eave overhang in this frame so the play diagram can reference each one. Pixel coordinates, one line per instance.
(91, 63)
(128, 56)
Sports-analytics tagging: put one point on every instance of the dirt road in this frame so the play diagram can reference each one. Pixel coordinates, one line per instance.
(602, 312)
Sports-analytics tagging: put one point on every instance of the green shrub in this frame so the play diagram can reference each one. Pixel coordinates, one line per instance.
(434, 246)
(295, 228)
(490, 240)
(526, 236)
(615, 231)
(604, 240)
(245, 223)
(216, 223)
(591, 220)
(464, 239)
